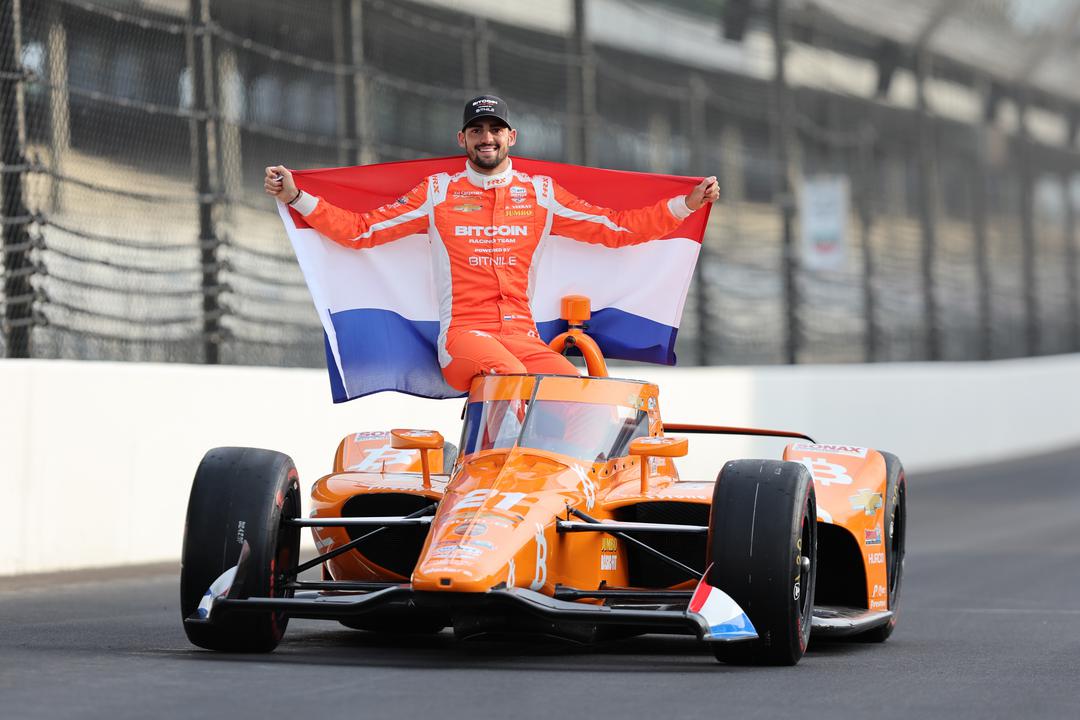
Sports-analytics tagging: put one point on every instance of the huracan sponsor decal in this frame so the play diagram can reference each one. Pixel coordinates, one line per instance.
(865, 500)
(875, 558)
(873, 536)
(827, 473)
(851, 450)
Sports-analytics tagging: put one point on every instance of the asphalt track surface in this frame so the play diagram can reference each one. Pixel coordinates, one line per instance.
(990, 628)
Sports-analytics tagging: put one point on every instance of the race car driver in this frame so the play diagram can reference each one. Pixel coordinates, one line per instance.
(486, 224)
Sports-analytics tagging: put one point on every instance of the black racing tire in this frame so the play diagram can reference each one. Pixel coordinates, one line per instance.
(895, 543)
(762, 551)
(237, 502)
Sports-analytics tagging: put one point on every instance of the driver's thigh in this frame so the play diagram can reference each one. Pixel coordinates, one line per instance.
(475, 352)
(537, 356)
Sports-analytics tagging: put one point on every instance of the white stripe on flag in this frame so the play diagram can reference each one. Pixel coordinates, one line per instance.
(649, 280)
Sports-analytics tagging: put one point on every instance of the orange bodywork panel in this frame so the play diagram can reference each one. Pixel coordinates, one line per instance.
(496, 519)
(851, 485)
(374, 452)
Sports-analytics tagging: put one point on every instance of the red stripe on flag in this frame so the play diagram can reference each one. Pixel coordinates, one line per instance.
(367, 187)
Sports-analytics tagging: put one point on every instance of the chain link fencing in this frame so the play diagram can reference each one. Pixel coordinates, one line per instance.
(135, 134)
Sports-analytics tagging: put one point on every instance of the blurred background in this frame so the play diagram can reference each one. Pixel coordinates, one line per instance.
(899, 181)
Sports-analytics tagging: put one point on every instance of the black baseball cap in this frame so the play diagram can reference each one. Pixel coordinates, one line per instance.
(485, 106)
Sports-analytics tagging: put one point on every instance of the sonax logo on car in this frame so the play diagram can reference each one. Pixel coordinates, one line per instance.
(852, 450)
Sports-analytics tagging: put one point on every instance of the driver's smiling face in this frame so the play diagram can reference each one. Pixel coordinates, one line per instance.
(487, 143)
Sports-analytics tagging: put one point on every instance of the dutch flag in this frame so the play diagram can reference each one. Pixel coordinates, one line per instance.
(378, 306)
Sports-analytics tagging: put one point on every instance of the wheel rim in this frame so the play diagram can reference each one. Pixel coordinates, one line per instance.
(803, 581)
(896, 544)
(282, 559)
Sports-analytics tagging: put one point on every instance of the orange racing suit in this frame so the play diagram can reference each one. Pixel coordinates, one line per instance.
(485, 231)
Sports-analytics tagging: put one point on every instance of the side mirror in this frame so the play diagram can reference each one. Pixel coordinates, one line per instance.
(422, 440)
(647, 447)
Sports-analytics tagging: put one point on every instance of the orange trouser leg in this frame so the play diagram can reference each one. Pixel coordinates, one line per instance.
(537, 356)
(481, 353)
(475, 352)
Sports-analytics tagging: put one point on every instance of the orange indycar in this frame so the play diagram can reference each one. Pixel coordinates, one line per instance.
(562, 515)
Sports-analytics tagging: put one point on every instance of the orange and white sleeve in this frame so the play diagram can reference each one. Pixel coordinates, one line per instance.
(578, 219)
(407, 215)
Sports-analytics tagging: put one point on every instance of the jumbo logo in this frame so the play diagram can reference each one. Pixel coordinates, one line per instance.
(491, 230)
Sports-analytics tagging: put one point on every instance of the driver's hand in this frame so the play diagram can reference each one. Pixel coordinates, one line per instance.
(707, 191)
(279, 183)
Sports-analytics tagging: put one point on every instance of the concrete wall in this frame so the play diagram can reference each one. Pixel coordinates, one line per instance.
(97, 458)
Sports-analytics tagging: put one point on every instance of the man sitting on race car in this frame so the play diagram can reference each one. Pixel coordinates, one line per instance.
(486, 225)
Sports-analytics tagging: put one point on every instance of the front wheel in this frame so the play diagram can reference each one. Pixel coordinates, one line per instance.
(238, 500)
(895, 543)
(762, 550)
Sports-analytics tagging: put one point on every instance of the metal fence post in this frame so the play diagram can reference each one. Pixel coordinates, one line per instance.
(483, 55)
(699, 141)
(344, 85)
(865, 199)
(784, 137)
(1072, 272)
(1027, 228)
(582, 90)
(18, 290)
(199, 62)
(363, 118)
(59, 107)
(979, 227)
(927, 207)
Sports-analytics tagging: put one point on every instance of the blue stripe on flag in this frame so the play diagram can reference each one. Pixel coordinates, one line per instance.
(381, 350)
(623, 336)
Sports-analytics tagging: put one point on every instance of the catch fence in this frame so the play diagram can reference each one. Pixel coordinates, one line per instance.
(134, 136)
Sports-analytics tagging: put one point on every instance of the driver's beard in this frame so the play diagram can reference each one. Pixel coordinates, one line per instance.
(500, 155)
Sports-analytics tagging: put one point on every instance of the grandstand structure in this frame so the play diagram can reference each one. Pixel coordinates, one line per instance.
(134, 135)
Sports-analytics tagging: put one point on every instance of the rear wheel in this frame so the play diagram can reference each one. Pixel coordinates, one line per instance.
(895, 531)
(237, 502)
(763, 553)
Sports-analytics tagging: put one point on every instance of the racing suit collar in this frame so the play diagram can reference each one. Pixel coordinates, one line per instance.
(490, 181)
